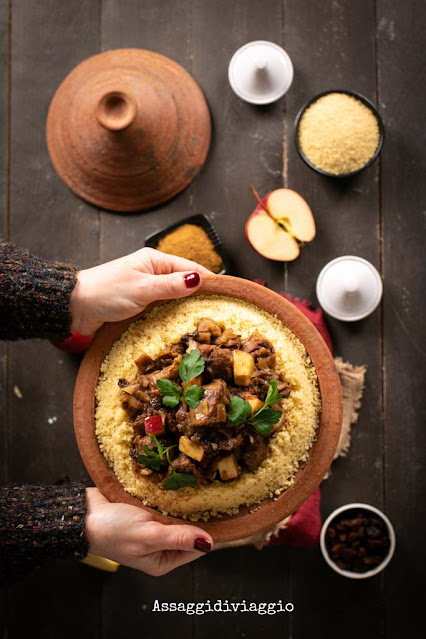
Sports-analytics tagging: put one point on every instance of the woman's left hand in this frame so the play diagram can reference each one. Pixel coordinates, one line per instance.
(124, 287)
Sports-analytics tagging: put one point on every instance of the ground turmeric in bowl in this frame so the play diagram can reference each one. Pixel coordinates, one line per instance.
(192, 242)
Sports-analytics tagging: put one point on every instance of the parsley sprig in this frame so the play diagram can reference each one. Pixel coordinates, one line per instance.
(190, 366)
(178, 480)
(264, 418)
(153, 460)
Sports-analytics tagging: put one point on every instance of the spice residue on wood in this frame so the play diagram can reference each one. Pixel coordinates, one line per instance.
(338, 133)
(192, 242)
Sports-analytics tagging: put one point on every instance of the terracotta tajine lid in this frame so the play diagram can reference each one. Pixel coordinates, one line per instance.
(128, 129)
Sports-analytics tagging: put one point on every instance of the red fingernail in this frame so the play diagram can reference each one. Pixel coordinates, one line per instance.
(191, 280)
(202, 544)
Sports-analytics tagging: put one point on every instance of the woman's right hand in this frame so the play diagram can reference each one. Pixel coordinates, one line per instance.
(130, 536)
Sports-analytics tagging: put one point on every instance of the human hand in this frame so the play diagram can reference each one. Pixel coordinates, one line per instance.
(124, 287)
(130, 536)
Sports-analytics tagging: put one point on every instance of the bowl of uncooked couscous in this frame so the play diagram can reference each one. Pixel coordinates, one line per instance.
(338, 133)
(299, 453)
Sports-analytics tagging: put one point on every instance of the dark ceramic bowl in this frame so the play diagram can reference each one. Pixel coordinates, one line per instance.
(362, 99)
(199, 220)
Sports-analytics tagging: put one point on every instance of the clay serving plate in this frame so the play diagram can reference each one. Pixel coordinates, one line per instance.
(250, 520)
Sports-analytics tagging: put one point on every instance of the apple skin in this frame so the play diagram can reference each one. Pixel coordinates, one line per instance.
(154, 425)
(295, 247)
(282, 245)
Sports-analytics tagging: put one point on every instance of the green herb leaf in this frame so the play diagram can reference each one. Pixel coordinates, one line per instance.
(170, 401)
(158, 444)
(272, 396)
(193, 395)
(240, 410)
(179, 480)
(170, 392)
(151, 459)
(191, 366)
(264, 419)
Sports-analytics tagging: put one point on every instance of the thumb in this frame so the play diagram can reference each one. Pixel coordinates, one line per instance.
(94, 498)
(174, 285)
(183, 537)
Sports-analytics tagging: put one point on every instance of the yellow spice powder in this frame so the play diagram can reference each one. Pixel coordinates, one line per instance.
(191, 241)
(338, 133)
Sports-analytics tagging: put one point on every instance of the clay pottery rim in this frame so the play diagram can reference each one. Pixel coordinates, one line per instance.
(252, 519)
(128, 129)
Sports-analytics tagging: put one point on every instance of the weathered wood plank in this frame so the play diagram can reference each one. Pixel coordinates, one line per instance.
(399, 29)
(4, 203)
(324, 42)
(48, 40)
(146, 25)
(247, 148)
(4, 181)
(247, 145)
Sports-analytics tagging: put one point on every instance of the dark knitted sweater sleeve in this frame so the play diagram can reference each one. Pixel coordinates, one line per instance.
(39, 523)
(34, 295)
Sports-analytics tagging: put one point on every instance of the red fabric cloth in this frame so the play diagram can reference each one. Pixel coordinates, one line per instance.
(304, 527)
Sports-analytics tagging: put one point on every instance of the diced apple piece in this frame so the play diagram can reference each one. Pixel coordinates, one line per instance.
(255, 403)
(243, 368)
(269, 239)
(207, 329)
(290, 209)
(154, 425)
(228, 467)
(197, 381)
(192, 449)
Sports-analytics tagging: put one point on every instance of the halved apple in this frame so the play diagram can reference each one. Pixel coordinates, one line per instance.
(292, 212)
(275, 229)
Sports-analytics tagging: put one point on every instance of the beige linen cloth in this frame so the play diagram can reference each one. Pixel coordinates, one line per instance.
(352, 380)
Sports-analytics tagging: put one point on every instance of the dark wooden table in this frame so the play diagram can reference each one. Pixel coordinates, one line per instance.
(373, 47)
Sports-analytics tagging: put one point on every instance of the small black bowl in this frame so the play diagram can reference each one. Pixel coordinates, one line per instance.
(199, 220)
(362, 99)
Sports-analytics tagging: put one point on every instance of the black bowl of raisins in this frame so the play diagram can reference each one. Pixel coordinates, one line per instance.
(357, 541)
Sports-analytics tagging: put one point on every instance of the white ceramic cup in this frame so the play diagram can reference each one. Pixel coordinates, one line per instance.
(348, 573)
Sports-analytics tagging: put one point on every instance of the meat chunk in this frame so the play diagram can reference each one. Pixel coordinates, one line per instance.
(261, 349)
(230, 443)
(144, 362)
(131, 405)
(260, 380)
(212, 408)
(169, 372)
(140, 441)
(207, 330)
(184, 464)
(219, 362)
(255, 451)
(167, 357)
(284, 388)
(228, 339)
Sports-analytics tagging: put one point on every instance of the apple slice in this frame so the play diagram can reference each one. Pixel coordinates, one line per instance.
(279, 223)
(290, 209)
(154, 425)
(269, 239)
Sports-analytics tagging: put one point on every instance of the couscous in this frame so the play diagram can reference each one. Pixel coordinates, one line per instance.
(338, 133)
(288, 446)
